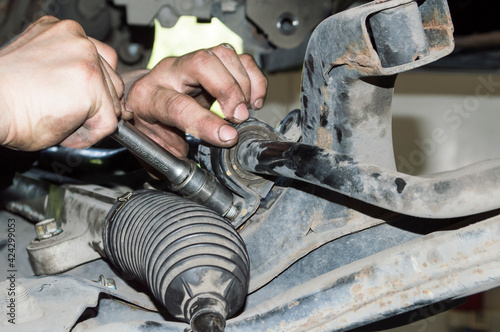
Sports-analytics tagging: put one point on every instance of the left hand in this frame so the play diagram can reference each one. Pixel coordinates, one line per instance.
(176, 95)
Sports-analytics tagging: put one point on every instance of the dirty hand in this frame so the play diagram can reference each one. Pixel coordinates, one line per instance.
(176, 95)
(57, 86)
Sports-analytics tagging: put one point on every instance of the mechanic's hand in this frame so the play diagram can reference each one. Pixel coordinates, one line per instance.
(57, 86)
(176, 96)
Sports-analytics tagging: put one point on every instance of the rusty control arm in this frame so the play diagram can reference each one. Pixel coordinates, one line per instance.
(467, 191)
(185, 177)
(347, 89)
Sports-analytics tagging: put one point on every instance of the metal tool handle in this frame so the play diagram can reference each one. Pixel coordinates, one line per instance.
(185, 177)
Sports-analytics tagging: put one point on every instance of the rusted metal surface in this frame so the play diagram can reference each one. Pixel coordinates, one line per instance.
(346, 107)
(248, 188)
(467, 191)
(403, 278)
(440, 266)
(63, 300)
(348, 82)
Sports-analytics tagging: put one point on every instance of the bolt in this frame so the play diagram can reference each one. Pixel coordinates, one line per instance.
(106, 282)
(134, 49)
(47, 229)
(232, 212)
(287, 24)
(17, 298)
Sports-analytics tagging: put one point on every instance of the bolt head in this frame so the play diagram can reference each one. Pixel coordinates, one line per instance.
(47, 229)
(107, 282)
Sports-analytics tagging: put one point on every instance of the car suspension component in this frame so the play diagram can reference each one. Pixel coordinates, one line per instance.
(193, 261)
(184, 177)
(319, 259)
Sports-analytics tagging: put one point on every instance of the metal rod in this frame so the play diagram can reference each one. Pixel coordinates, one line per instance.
(174, 169)
(185, 177)
(467, 191)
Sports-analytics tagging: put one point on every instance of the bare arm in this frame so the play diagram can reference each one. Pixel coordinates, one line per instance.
(57, 86)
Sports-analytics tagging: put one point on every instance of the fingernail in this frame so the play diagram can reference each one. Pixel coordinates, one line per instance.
(226, 45)
(241, 112)
(128, 108)
(227, 133)
(259, 103)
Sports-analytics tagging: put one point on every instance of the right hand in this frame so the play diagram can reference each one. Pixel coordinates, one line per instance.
(58, 86)
(176, 95)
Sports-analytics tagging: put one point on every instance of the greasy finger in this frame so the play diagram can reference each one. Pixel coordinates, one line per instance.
(95, 128)
(115, 78)
(114, 86)
(106, 51)
(258, 81)
(102, 116)
(205, 68)
(183, 112)
(116, 91)
(231, 60)
(171, 139)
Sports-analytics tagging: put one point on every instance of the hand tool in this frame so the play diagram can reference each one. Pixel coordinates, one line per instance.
(185, 177)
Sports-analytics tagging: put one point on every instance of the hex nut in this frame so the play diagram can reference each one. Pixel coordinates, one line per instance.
(46, 229)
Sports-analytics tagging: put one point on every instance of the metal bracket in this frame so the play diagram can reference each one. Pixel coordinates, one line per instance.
(248, 188)
(84, 209)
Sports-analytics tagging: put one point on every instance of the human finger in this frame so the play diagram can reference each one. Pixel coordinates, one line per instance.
(94, 129)
(181, 111)
(106, 51)
(102, 116)
(206, 69)
(170, 138)
(109, 59)
(231, 60)
(115, 86)
(258, 81)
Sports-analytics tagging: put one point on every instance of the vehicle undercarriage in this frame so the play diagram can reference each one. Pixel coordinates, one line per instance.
(306, 226)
